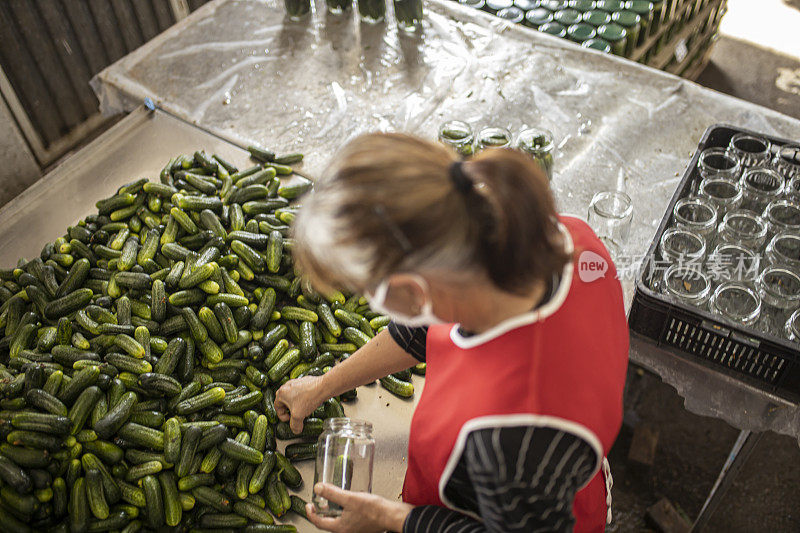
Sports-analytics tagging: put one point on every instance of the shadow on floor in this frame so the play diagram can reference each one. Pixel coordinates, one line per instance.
(755, 74)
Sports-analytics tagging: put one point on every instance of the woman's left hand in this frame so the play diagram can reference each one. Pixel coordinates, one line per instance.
(362, 512)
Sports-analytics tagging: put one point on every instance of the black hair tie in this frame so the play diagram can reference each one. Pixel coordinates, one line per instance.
(461, 181)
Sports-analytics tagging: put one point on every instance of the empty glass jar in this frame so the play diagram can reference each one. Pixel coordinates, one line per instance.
(725, 194)
(494, 138)
(787, 161)
(783, 215)
(779, 289)
(737, 302)
(750, 150)
(539, 144)
(744, 228)
(696, 214)
(458, 135)
(784, 248)
(719, 163)
(732, 262)
(682, 247)
(610, 216)
(345, 453)
(687, 284)
(760, 186)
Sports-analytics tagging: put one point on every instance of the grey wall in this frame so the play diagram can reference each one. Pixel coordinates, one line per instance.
(18, 168)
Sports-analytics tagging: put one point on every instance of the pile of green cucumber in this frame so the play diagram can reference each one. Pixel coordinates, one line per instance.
(141, 352)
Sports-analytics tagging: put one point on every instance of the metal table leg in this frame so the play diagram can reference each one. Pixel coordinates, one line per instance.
(742, 448)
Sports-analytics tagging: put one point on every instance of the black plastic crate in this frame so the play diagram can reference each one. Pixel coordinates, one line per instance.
(746, 354)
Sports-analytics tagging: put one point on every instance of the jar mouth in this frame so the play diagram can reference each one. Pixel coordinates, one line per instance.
(680, 243)
(343, 422)
(536, 139)
(617, 205)
(737, 302)
(494, 137)
(695, 212)
(456, 130)
(784, 213)
(721, 189)
(687, 282)
(750, 145)
(745, 224)
(780, 281)
(763, 181)
(786, 246)
(728, 259)
(718, 159)
(790, 155)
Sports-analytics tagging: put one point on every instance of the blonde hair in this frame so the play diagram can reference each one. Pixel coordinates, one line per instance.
(389, 203)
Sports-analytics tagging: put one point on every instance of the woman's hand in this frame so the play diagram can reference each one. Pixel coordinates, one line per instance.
(297, 399)
(362, 512)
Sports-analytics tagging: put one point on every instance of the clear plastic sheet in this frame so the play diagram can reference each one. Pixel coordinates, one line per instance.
(242, 70)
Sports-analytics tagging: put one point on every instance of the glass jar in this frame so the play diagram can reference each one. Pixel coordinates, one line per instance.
(610, 216)
(793, 327)
(616, 35)
(792, 189)
(512, 14)
(760, 186)
(408, 14)
(372, 11)
(345, 454)
(580, 32)
(554, 28)
(718, 162)
(598, 44)
(539, 144)
(779, 289)
(643, 8)
(336, 7)
(688, 284)
(783, 216)
(597, 17)
(297, 9)
(681, 246)
(745, 228)
(733, 262)
(736, 302)
(632, 24)
(751, 150)
(526, 5)
(784, 248)
(535, 18)
(725, 194)
(458, 135)
(493, 138)
(696, 214)
(567, 17)
(493, 6)
(787, 161)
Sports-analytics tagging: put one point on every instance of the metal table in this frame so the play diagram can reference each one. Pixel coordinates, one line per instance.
(244, 72)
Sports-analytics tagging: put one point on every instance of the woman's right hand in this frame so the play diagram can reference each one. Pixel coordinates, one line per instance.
(297, 399)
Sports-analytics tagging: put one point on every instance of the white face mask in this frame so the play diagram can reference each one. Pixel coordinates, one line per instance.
(377, 302)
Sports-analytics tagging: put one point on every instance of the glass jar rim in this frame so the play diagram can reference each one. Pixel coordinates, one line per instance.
(795, 149)
(695, 200)
(496, 131)
(773, 248)
(747, 184)
(777, 204)
(784, 270)
(746, 137)
(666, 237)
(735, 285)
(696, 273)
(721, 180)
(355, 424)
(527, 134)
(723, 153)
(744, 213)
(598, 204)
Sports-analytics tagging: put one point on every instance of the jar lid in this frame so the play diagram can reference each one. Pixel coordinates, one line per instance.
(628, 19)
(497, 5)
(596, 17)
(598, 44)
(568, 16)
(581, 31)
(610, 5)
(539, 16)
(554, 28)
(554, 5)
(612, 32)
(526, 5)
(511, 14)
(641, 7)
(581, 5)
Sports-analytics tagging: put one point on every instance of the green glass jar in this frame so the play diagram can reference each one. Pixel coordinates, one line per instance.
(458, 135)
(372, 11)
(567, 17)
(610, 5)
(597, 17)
(537, 17)
(554, 28)
(616, 35)
(643, 8)
(512, 14)
(598, 44)
(538, 143)
(526, 5)
(580, 32)
(475, 4)
(632, 24)
(582, 5)
(554, 5)
(493, 6)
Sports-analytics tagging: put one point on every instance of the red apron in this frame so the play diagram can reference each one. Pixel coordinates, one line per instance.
(569, 365)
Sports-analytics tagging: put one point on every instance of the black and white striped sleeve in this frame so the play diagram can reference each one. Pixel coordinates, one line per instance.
(412, 340)
(512, 479)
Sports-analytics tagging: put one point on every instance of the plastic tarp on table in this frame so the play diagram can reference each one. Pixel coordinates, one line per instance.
(242, 70)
